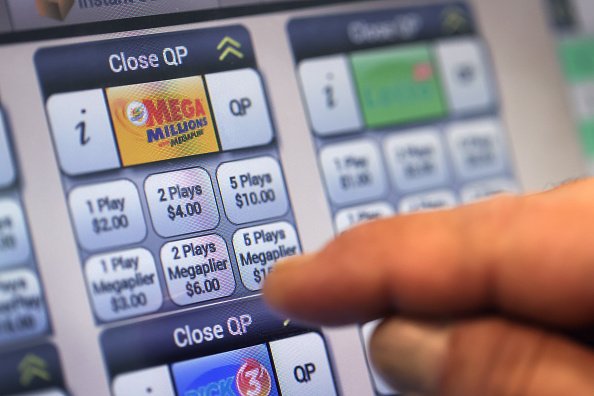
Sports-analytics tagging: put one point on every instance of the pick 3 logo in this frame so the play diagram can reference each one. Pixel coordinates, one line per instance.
(55, 9)
(253, 379)
(162, 120)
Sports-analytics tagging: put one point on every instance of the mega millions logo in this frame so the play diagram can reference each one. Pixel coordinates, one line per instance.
(253, 379)
(162, 120)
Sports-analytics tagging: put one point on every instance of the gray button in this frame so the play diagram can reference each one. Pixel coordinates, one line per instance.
(330, 95)
(147, 382)
(82, 132)
(5, 25)
(258, 248)
(23, 312)
(416, 159)
(123, 284)
(353, 172)
(181, 202)
(107, 215)
(7, 170)
(15, 246)
(488, 188)
(350, 217)
(253, 190)
(467, 78)
(434, 200)
(477, 148)
(380, 385)
(302, 366)
(240, 108)
(197, 269)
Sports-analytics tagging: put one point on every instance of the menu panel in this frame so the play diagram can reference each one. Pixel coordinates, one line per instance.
(403, 109)
(178, 200)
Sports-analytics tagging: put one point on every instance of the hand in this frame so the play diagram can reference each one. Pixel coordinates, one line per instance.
(477, 299)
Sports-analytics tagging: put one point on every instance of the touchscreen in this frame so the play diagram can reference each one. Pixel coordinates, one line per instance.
(158, 160)
(573, 25)
(404, 113)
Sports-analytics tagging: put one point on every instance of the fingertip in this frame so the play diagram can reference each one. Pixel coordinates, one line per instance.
(409, 354)
(281, 281)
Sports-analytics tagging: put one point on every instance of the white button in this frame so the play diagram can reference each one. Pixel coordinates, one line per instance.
(7, 170)
(467, 78)
(181, 202)
(435, 200)
(583, 100)
(107, 215)
(353, 172)
(240, 108)
(15, 246)
(148, 382)
(123, 284)
(23, 308)
(82, 132)
(330, 95)
(486, 189)
(258, 248)
(302, 366)
(416, 159)
(52, 392)
(197, 269)
(350, 217)
(253, 190)
(380, 385)
(477, 148)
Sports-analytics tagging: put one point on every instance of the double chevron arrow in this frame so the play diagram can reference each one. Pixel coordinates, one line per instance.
(31, 367)
(229, 46)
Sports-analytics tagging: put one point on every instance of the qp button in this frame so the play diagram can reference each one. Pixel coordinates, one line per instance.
(302, 366)
(240, 108)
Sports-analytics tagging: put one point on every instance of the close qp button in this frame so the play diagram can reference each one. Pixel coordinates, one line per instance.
(240, 108)
(302, 366)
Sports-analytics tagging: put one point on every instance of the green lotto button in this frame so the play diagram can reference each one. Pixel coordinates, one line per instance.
(577, 56)
(397, 85)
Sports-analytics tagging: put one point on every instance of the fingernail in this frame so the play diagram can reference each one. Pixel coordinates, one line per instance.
(410, 355)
